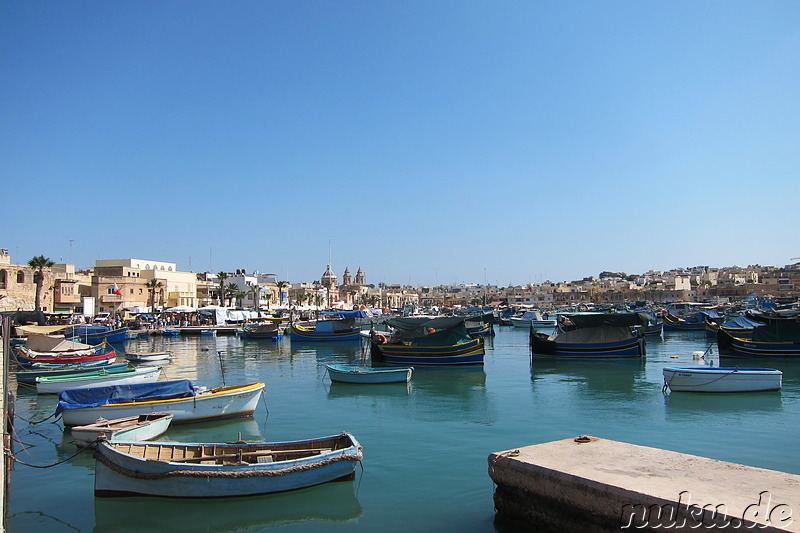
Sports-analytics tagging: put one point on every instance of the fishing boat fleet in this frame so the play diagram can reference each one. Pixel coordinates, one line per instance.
(119, 408)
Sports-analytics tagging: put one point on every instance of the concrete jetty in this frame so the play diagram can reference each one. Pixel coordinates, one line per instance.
(592, 484)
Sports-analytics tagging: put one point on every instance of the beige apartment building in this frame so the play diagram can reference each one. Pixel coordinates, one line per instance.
(131, 277)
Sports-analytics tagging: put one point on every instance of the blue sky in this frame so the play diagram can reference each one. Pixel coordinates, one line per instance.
(428, 142)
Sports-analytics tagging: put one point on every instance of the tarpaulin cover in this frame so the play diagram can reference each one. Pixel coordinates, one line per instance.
(447, 337)
(160, 390)
(741, 322)
(778, 331)
(608, 319)
(410, 324)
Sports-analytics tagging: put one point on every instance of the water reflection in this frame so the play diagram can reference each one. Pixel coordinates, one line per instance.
(683, 404)
(608, 376)
(383, 390)
(331, 502)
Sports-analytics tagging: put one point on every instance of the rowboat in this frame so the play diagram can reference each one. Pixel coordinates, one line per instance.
(28, 376)
(413, 343)
(326, 330)
(99, 354)
(98, 378)
(721, 379)
(180, 397)
(197, 470)
(153, 356)
(593, 336)
(132, 428)
(360, 374)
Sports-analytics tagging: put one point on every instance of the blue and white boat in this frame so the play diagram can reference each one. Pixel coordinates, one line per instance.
(721, 379)
(210, 470)
(90, 334)
(369, 375)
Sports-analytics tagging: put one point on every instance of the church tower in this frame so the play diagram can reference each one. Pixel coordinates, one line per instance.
(360, 279)
(346, 279)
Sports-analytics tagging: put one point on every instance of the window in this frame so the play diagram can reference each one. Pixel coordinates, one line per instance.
(3, 276)
(20, 277)
(131, 291)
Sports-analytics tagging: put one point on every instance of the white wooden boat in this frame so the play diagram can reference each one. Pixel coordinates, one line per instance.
(99, 378)
(721, 379)
(153, 356)
(132, 428)
(196, 470)
(532, 319)
(186, 402)
(361, 374)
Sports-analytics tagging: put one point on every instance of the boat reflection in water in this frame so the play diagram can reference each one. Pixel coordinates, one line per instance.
(607, 378)
(331, 502)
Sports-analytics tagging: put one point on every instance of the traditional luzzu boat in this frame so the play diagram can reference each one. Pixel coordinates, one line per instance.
(738, 326)
(427, 341)
(98, 378)
(266, 330)
(132, 428)
(180, 397)
(721, 379)
(326, 330)
(593, 336)
(695, 322)
(28, 376)
(778, 338)
(91, 334)
(56, 350)
(198, 470)
(368, 375)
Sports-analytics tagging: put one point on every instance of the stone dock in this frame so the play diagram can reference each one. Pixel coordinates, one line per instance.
(592, 484)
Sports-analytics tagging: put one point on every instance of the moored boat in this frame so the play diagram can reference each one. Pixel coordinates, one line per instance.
(132, 428)
(29, 375)
(98, 378)
(266, 330)
(427, 341)
(532, 319)
(198, 470)
(91, 334)
(361, 374)
(326, 330)
(776, 339)
(180, 397)
(721, 379)
(100, 354)
(593, 336)
(151, 356)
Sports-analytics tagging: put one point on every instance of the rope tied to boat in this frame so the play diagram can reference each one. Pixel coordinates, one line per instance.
(355, 457)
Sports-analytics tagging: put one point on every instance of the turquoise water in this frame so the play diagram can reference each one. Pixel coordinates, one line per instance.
(425, 444)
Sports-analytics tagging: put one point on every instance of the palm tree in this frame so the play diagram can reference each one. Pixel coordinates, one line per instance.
(327, 284)
(353, 296)
(255, 291)
(230, 291)
(39, 263)
(152, 286)
(281, 285)
(222, 276)
(240, 297)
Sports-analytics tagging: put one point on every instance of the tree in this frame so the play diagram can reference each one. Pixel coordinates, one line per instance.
(327, 284)
(222, 276)
(240, 298)
(230, 291)
(281, 285)
(152, 286)
(38, 264)
(255, 291)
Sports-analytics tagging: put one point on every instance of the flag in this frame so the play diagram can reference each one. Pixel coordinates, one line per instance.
(116, 290)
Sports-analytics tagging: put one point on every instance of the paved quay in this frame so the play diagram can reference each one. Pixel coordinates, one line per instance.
(592, 484)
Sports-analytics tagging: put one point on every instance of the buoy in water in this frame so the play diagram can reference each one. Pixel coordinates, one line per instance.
(697, 355)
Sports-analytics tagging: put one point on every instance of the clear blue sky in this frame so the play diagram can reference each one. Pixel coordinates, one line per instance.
(431, 142)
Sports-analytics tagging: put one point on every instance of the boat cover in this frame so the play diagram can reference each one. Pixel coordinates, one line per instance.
(53, 343)
(608, 319)
(92, 397)
(344, 314)
(599, 334)
(335, 326)
(416, 323)
(778, 331)
(741, 322)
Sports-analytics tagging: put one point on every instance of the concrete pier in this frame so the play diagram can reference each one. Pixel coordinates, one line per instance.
(592, 484)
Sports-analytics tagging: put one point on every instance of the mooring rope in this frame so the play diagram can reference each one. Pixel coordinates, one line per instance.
(10, 453)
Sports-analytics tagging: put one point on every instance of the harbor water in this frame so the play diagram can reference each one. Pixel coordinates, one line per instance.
(425, 443)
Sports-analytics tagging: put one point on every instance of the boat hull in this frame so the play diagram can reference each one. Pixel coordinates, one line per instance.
(132, 428)
(123, 474)
(54, 385)
(156, 356)
(730, 346)
(114, 336)
(229, 402)
(29, 376)
(297, 333)
(353, 374)
(721, 379)
(467, 353)
(632, 347)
